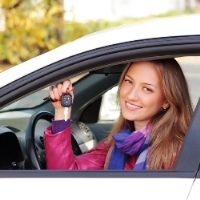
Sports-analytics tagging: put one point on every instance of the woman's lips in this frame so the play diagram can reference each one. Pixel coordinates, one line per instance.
(132, 106)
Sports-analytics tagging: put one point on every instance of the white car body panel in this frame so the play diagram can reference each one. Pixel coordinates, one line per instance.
(113, 188)
(148, 29)
(195, 191)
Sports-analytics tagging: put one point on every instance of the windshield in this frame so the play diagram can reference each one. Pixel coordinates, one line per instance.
(34, 99)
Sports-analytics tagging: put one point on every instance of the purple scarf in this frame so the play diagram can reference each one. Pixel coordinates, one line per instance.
(130, 143)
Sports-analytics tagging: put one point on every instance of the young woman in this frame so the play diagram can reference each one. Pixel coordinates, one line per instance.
(155, 113)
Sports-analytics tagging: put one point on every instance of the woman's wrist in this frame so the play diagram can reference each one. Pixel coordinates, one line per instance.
(59, 114)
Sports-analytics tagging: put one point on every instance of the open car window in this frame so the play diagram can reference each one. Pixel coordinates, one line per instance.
(191, 69)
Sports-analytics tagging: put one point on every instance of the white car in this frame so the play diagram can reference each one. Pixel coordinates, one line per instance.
(94, 64)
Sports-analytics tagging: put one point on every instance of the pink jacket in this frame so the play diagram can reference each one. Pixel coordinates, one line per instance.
(59, 154)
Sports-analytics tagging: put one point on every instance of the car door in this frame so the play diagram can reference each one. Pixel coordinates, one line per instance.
(169, 184)
(194, 193)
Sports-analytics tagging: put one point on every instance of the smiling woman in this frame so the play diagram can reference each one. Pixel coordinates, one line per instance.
(141, 93)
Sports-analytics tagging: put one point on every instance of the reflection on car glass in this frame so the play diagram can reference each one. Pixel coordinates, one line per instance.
(36, 98)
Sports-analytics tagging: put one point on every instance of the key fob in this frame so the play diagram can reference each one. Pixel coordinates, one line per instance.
(66, 100)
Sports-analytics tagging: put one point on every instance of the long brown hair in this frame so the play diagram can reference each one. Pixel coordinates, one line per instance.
(168, 127)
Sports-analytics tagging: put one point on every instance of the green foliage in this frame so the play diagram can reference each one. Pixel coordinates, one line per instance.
(33, 27)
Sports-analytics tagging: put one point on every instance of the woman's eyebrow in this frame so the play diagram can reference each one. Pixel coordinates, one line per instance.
(129, 76)
(143, 82)
(150, 84)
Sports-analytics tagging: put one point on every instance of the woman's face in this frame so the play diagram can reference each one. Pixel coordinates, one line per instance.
(141, 93)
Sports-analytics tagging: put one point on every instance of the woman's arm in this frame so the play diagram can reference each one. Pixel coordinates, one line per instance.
(59, 154)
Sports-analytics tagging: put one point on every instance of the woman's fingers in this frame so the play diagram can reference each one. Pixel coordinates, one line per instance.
(56, 91)
(59, 87)
(67, 86)
(51, 93)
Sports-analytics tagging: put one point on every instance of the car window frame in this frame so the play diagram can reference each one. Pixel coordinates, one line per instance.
(81, 63)
(162, 48)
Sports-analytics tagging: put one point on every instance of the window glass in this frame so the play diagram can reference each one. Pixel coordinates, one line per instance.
(27, 102)
(191, 70)
(110, 107)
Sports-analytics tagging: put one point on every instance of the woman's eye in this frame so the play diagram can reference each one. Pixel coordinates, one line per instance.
(127, 81)
(148, 89)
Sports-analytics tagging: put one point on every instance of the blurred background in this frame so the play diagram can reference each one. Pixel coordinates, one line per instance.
(29, 28)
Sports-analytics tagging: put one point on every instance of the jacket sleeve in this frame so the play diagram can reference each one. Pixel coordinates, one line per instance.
(59, 154)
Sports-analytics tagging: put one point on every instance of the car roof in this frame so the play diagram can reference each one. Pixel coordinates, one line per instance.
(182, 25)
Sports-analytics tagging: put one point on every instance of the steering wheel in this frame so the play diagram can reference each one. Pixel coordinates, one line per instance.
(34, 158)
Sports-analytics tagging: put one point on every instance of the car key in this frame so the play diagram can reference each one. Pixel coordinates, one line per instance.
(66, 102)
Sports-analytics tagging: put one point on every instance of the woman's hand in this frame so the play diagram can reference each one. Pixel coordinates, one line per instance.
(55, 93)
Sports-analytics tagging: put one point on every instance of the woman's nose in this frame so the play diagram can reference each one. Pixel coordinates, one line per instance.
(133, 93)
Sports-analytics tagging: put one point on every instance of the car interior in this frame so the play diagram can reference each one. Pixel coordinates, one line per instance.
(94, 111)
